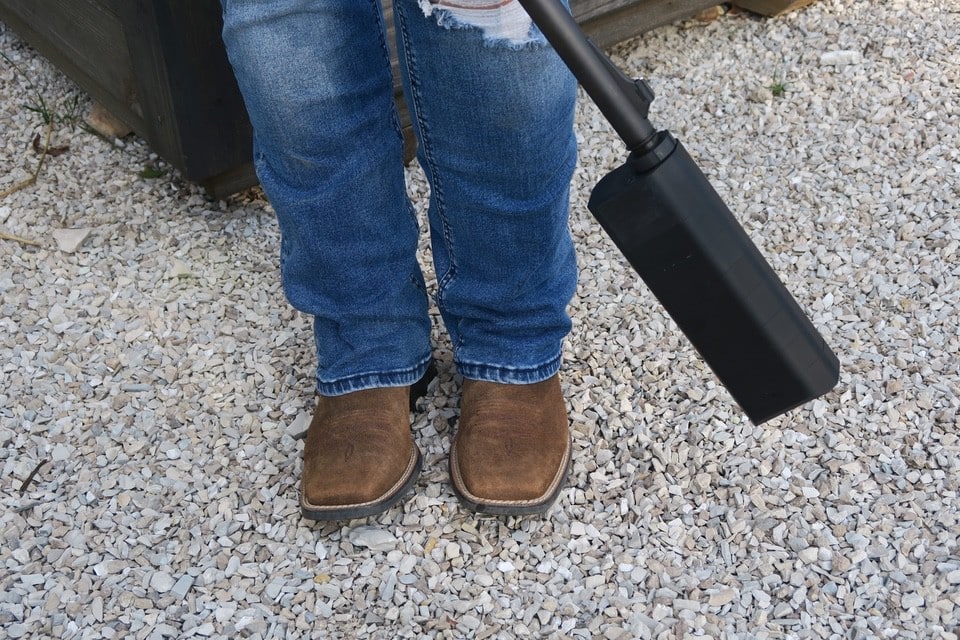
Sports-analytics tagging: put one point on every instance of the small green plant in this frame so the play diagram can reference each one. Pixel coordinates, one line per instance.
(152, 172)
(778, 85)
(38, 103)
(39, 106)
(778, 88)
(67, 112)
(73, 112)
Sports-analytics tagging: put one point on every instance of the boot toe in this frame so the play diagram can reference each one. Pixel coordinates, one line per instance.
(511, 454)
(359, 458)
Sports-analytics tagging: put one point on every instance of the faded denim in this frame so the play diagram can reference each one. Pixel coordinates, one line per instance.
(493, 113)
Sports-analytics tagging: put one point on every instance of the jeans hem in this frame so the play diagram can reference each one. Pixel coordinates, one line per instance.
(510, 375)
(374, 380)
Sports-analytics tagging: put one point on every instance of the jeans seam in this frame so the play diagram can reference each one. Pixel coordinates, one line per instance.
(395, 122)
(511, 375)
(374, 379)
(385, 51)
(416, 112)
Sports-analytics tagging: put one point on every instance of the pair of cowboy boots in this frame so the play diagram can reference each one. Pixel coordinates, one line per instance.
(510, 455)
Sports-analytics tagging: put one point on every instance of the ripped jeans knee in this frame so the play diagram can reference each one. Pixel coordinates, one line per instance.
(501, 21)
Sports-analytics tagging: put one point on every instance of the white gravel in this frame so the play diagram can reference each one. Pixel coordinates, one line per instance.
(152, 376)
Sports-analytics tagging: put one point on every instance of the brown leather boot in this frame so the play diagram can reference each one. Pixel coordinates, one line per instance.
(359, 458)
(512, 449)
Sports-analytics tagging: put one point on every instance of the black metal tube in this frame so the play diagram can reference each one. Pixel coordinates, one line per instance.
(593, 70)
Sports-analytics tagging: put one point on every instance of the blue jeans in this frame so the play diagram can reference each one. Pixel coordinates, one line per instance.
(492, 107)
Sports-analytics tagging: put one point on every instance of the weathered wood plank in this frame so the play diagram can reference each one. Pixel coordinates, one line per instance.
(159, 66)
(772, 7)
(608, 22)
(83, 38)
(186, 84)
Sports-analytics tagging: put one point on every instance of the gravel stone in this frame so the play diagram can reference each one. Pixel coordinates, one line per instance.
(373, 538)
(69, 240)
(161, 581)
(911, 600)
(722, 597)
(182, 586)
(155, 385)
(841, 58)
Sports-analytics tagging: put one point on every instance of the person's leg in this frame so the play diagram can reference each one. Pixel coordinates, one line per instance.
(493, 108)
(315, 77)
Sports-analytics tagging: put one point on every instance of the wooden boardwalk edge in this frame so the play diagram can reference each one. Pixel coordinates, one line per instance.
(772, 7)
(160, 67)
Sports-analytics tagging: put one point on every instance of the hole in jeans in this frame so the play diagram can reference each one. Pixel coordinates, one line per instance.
(502, 22)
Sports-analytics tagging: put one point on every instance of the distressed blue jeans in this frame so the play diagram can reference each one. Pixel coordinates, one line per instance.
(492, 107)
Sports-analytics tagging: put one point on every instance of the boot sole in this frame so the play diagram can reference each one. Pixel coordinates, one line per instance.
(350, 512)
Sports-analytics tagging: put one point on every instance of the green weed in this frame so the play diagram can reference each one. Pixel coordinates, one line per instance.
(152, 172)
